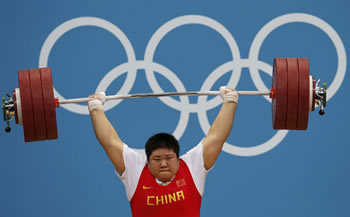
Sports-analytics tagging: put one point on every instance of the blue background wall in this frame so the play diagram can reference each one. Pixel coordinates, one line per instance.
(298, 173)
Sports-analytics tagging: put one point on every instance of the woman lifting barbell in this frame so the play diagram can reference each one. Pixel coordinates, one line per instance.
(162, 183)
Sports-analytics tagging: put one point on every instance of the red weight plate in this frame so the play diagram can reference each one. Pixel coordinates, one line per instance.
(49, 103)
(292, 95)
(304, 94)
(279, 102)
(15, 104)
(38, 105)
(27, 105)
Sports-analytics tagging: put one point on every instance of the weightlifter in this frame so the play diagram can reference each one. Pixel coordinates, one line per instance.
(161, 183)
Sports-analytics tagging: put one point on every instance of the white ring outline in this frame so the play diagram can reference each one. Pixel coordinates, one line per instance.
(173, 24)
(125, 67)
(230, 148)
(303, 18)
(88, 21)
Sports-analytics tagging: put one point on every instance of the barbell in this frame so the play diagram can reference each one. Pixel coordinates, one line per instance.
(294, 95)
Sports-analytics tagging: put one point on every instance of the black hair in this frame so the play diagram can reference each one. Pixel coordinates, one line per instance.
(162, 140)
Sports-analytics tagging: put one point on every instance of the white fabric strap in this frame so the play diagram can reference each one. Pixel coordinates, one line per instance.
(96, 101)
(228, 95)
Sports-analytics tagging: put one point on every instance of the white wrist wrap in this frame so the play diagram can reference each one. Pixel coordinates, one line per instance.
(96, 102)
(228, 95)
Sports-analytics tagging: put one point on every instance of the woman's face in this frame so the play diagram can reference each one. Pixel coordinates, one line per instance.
(163, 164)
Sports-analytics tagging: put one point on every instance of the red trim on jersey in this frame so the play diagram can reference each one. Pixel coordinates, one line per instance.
(179, 198)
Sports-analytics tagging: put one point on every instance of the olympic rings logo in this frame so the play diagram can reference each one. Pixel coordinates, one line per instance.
(234, 67)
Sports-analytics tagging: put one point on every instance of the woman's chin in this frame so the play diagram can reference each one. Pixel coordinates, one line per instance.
(164, 176)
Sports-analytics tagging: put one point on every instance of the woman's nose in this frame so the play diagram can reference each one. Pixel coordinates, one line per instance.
(163, 163)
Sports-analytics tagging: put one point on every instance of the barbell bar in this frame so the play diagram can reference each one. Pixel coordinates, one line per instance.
(146, 95)
(294, 94)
